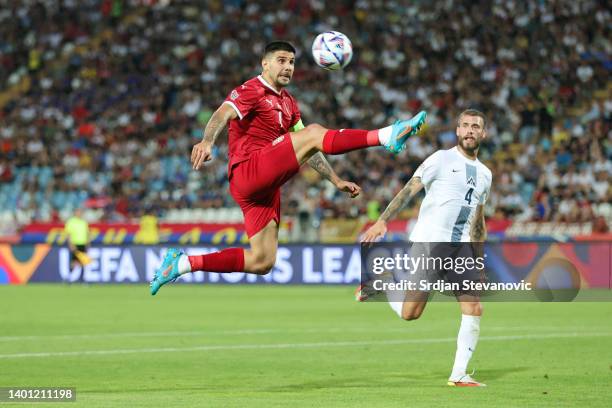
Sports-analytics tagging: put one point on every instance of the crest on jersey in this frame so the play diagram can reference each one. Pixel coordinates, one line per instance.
(234, 95)
(470, 175)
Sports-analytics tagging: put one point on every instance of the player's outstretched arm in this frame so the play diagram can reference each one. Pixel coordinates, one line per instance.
(401, 200)
(202, 152)
(322, 166)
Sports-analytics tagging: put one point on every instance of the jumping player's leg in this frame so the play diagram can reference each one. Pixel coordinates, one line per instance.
(315, 138)
(261, 225)
(258, 259)
(467, 339)
(261, 256)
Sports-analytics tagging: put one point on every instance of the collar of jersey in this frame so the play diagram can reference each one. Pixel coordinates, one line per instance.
(263, 81)
(456, 149)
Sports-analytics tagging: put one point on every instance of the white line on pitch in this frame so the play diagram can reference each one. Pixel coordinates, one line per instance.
(204, 333)
(293, 345)
(132, 334)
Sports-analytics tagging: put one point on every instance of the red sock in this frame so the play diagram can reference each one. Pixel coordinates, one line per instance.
(227, 260)
(346, 140)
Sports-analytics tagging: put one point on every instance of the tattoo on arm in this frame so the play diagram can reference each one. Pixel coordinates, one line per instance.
(402, 198)
(217, 123)
(478, 232)
(322, 166)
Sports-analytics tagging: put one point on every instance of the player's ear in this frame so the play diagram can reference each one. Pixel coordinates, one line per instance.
(264, 63)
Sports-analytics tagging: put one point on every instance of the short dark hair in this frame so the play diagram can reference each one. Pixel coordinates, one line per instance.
(473, 112)
(278, 46)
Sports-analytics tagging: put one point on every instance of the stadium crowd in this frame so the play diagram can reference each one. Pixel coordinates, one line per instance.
(121, 90)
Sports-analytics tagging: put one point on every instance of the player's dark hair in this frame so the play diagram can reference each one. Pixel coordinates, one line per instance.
(278, 46)
(473, 112)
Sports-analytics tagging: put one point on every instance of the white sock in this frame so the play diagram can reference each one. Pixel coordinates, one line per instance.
(466, 344)
(184, 266)
(392, 296)
(384, 135)
(397, 307)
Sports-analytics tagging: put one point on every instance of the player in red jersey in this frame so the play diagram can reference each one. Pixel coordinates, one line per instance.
(267, 145)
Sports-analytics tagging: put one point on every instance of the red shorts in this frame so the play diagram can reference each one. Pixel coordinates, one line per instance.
(255, 183)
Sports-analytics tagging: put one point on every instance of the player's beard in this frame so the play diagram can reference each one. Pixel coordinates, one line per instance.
(469, 146)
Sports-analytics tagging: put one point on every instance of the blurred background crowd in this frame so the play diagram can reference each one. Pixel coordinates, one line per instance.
(102, 101)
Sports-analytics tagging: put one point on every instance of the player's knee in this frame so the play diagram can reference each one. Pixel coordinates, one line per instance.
(313, 136)
(315, 132)
(261, 269)
(263, 264)
(315, 129)
(472, 309)
(411, 314)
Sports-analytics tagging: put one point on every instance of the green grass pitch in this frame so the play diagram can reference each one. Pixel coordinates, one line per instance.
(293, 346)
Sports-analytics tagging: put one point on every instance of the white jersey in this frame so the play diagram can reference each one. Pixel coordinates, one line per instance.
(454, 187)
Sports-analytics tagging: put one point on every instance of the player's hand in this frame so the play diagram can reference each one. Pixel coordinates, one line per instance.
(200, 154)
(349, 187)
(375, 232)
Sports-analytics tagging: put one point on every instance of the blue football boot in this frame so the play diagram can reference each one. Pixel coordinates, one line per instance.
(402, 130)
(168, 271)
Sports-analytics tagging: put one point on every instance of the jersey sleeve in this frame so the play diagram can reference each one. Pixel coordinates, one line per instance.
(244, 99)
(428, 170)
(487, 191)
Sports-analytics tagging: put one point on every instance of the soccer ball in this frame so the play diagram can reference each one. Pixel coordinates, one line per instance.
(332, 50)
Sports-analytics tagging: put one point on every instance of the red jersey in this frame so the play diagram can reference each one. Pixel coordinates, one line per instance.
(263, 115)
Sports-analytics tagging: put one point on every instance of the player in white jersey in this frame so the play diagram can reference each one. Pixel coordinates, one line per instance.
(456, 186)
